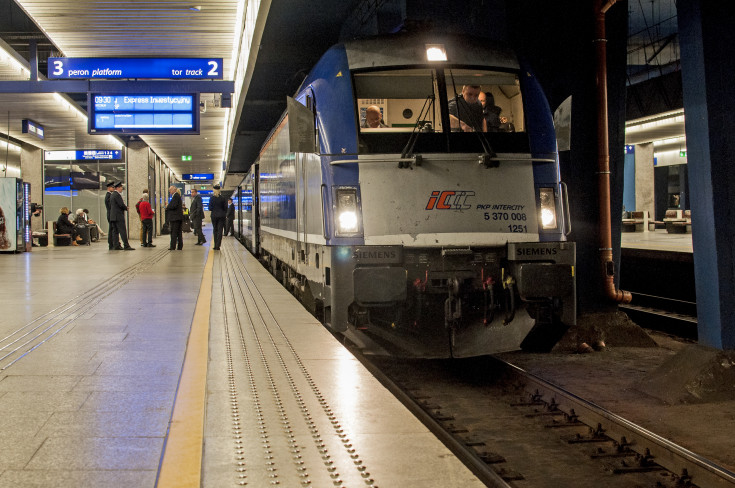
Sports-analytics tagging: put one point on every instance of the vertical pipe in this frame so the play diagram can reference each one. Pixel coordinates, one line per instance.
(603, 156)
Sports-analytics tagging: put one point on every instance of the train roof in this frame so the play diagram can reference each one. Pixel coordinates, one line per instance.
(410, 50)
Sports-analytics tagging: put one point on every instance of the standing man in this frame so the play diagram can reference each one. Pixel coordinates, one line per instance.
(137, 209)
(146, 220)
(196, 214)
(230, 224)
(175, 216)
(465, 111)
(218, 207)
(112, 240)
(117, 218)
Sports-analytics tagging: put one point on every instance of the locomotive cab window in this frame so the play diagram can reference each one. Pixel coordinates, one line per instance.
(497, 94)
(398, 100)
(393, 104)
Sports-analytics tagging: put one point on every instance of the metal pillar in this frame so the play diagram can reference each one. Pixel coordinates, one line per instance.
(706, 40)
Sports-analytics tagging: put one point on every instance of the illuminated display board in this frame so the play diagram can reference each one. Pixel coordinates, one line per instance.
(115, 68)
(197, 176)
(82, 155)
(143, 114)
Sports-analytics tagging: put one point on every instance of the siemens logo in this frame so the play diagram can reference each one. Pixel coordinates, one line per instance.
(378, 255)
(532, 251)
(375, 255)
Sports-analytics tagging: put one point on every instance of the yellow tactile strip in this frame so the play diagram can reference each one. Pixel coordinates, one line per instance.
(182, 459)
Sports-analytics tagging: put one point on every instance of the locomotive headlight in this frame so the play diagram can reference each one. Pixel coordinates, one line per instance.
(548, 208)
(348, 221)
(436, 52)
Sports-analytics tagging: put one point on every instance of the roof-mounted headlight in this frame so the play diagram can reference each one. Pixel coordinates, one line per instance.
(436, 52)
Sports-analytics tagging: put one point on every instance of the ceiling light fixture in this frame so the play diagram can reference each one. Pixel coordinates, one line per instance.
(196, 8)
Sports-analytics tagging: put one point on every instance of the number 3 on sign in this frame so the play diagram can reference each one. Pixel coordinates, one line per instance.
(58, 67)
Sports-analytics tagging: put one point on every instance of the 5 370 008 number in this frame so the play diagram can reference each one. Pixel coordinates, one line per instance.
(517, 217)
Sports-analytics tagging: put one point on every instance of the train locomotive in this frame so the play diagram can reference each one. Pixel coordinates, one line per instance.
(428, 237)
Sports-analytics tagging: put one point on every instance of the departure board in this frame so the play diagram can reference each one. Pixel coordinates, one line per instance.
(143, 114)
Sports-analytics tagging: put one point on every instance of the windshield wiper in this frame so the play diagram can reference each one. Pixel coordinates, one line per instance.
(425, 127)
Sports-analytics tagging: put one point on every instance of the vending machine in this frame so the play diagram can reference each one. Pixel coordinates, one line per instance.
(15, 222)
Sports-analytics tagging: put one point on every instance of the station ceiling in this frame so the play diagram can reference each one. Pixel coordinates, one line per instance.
(288, 47)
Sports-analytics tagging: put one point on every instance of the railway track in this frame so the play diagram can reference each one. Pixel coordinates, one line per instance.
(515, 429)
(672, 316)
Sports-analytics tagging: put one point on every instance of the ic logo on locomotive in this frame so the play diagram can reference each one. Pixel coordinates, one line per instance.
(449, 200)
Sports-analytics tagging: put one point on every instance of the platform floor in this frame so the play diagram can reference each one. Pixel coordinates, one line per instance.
(658, 240)
(117, 367)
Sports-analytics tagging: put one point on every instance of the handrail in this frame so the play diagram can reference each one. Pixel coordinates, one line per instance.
(442, 157)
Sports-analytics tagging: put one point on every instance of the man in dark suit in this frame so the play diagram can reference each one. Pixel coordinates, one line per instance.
(111, 244)
(218, 207)
(196, 214)
(175, 216)
(230, 224)
(117, 218)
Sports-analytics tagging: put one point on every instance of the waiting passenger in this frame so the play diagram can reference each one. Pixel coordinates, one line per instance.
(92, 222)
(492, 113)
(81, 217)
(373, 118)
(465, 111)
(63, 226)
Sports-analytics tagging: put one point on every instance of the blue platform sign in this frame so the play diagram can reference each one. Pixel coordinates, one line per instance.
(143, 114)
(30, 127)
(197, 176)
(115, 68)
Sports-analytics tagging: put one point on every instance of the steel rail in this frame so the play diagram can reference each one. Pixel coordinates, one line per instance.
(470, 459)
(678, 460)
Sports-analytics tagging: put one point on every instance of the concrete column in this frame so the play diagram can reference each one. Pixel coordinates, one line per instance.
(706, 40)
(138, 154)
(644, 180)
(31, 170)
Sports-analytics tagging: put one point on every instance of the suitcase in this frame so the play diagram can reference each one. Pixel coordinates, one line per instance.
(83, 232)
(185, 226)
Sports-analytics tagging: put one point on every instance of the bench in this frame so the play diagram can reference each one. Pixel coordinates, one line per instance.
(671, 215)
(635, 221)
(59, 239)
(42, 237)
(680, 225)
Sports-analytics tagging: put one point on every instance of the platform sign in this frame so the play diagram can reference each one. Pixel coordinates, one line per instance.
(30, 127)
(84, 155)
(197, 176)
(148, 68)
(143, 113)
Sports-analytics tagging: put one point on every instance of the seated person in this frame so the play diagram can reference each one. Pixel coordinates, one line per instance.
(373, 118)
(63, 226)
(465, 111)
(92, 222)
(81, 217)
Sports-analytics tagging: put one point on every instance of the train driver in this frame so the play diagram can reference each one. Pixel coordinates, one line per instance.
(373, 118)
(465, 111)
